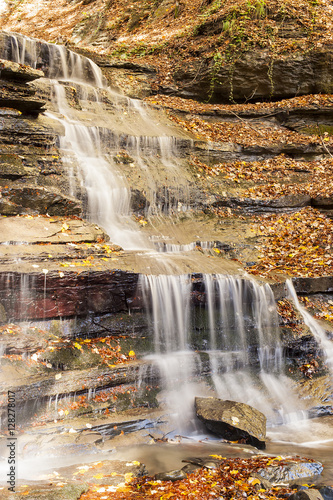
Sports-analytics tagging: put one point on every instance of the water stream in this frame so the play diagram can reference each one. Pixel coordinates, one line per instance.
(227, 345)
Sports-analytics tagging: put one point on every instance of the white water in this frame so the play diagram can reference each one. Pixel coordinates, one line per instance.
(239, 348)
(315, 328)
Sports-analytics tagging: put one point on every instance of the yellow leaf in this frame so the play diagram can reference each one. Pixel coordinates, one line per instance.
(131, 353)
(253, 480)
(78, 346)
(218, 457)
(99, 476)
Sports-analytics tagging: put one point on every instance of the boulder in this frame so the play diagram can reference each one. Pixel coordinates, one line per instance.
(173, 475)
(232, 420)
(290, 472)
(308, 494)
(326, 492)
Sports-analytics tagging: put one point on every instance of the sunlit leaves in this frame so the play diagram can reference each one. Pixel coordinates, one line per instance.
(296, 244)
(232, 479)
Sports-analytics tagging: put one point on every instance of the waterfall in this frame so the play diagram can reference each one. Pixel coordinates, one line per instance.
(233, 350)
(92, 141)
(56, 61)
(315, 328)
(226, 344)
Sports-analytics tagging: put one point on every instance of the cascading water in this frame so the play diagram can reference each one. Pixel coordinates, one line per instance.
(317, 331)
(107, 193)
(102, 183)
(232, 339)
(231, 346)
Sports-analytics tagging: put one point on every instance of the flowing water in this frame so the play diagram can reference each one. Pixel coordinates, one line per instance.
(216, 336)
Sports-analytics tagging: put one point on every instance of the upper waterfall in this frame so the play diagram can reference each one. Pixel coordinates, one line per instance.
(105, 136)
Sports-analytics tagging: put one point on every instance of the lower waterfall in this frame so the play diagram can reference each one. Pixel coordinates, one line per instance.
(228, 345)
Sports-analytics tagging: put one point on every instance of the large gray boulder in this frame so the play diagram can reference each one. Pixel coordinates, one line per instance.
(232, 420)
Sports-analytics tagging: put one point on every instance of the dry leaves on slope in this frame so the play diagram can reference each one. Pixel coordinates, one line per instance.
(296, 244)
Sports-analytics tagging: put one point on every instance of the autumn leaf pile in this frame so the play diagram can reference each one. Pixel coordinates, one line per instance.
(232, 479)
(270, 108)
(313, 178)
(296, 244)
(245, 134)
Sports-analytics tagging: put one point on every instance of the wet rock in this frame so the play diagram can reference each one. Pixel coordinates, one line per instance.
(172, 475)
(189, 468)
(262, 205)
(18, 72)
(307, 286)
(47, 492)
(302, 348)
(264, 483)
(22, 343)
(27, 132)
(232, 420)
(110, 472)
(15, 93)
(324, 203)
(3, 315)
(139, 202)
(19, 96)
(29, 199)
(326, 492)
(308, 494)
(12, 172)
(66, 294)
(70, 382)
(291, 472)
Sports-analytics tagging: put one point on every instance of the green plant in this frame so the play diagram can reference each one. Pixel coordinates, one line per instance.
(217, 64)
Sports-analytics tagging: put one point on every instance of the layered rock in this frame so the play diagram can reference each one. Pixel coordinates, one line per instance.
(15, 93)
(232, 420)
(31, 173)
(257, 75)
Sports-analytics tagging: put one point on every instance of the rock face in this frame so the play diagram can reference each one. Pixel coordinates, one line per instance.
(62, 295)
(32, 179)
(15, 93)
(232, 420)
(257, 75)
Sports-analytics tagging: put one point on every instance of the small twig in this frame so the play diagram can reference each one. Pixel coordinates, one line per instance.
(53, 234)
(322, 141)
(245, 122)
